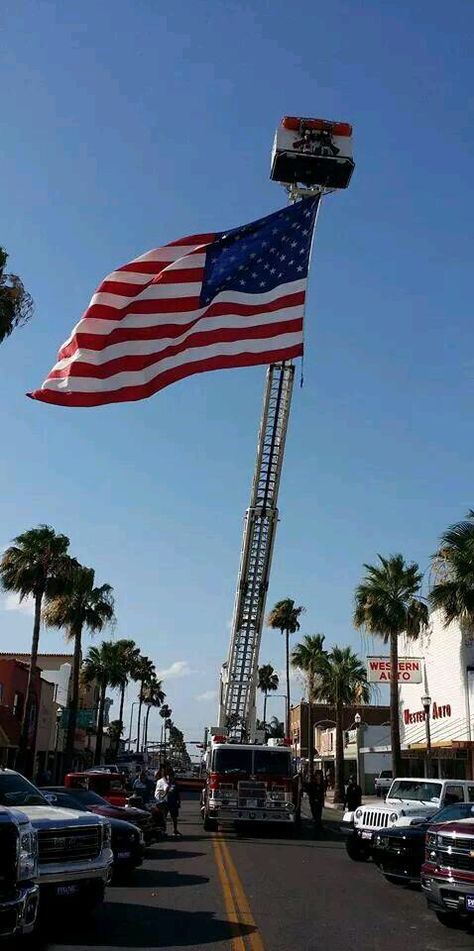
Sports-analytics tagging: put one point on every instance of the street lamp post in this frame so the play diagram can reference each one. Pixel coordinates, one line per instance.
(426, 701)
(129, 738)
(357, 722)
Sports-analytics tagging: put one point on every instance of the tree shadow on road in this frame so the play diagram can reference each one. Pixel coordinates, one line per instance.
(141, 926)
(164, 854)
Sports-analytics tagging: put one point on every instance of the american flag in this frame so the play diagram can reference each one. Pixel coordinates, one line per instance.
(205, 302)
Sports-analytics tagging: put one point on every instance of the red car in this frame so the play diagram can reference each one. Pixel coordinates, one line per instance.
(447, 877)
(91, 801)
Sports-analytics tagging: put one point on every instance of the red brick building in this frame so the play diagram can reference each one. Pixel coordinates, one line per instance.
(13, 686)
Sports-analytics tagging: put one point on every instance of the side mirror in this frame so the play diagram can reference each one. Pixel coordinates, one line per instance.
(51, 798)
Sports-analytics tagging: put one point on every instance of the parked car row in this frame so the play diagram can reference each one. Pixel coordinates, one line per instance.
(422, 834)
(60, 846)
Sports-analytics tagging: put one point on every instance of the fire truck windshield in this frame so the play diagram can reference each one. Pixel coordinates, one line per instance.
(274, 763)
(232, 761)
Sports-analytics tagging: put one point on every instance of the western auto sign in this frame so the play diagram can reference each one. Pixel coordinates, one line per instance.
(379, 670)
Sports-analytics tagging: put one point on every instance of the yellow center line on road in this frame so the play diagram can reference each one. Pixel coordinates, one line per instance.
(235, 898)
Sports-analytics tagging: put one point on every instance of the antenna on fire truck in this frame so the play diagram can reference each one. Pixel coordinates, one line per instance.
(310, 158)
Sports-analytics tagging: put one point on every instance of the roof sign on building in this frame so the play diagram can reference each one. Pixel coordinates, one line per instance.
(379, 669)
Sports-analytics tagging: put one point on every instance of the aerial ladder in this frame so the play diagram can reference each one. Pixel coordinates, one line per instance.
(310, 157)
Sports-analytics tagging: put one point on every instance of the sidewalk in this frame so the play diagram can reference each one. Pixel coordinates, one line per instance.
(330, 804)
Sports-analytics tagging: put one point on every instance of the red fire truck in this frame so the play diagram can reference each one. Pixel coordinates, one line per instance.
(249, 783)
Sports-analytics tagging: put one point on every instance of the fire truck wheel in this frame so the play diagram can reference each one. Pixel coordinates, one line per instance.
(209, 825)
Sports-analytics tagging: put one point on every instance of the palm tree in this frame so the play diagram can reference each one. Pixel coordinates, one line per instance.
(307, 657)
(80, 605)
(143, 673)
(342, 681)
(99, 667)
(453, 563)
(127, 656)
(36, 565)
(386, 604)
(153, 697)
(16, 305)
(284, 617)
(267, 682)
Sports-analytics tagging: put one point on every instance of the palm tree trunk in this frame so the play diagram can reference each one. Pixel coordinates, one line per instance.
(73, 706)
(339, 757)
(287, 647)
(394, 711)
(100, 725)
(265, 694)
(310, 740)
(145, 732)
(26, 748)
(122, 701)
(139, 717)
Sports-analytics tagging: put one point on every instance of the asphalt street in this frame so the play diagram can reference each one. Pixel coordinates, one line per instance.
(249, 893)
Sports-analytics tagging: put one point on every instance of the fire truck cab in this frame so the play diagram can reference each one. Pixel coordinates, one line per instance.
(249, 783)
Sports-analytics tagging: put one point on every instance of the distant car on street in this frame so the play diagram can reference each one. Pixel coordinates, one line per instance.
(383, 782)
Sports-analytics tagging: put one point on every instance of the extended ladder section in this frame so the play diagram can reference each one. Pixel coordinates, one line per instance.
(239, 675)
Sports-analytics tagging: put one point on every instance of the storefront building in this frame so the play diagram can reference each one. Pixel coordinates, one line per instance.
(448, 684)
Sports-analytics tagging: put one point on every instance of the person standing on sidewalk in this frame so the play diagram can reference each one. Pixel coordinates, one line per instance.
(352, 795)
(314, 789)
(174, 801)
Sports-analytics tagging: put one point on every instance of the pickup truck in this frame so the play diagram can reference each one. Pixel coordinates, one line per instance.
(74, 848)
(382, 782)
(19, 895)
(408, 799)
(447, 876)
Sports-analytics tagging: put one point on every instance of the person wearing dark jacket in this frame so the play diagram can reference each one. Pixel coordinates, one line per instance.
(352, 795)
(314, 789)
(173, 801)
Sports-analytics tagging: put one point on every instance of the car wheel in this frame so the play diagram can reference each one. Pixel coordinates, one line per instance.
(356, 852)
(449, 919)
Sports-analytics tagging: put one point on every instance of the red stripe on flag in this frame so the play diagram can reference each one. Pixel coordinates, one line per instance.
(145, 390)
(135, 362)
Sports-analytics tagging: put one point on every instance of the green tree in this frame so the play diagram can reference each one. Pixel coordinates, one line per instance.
(143, 673)
(36, 565)
(453, 564)
(154, 696)
(16, 305)
(284, 617)
(276, 729)
(386, 604)
(99, 667)
(79, 606)
(342, 681)
(127, 656)
(307, 657)
(267, 682)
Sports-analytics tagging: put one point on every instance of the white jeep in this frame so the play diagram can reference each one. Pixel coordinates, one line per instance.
(408, 800)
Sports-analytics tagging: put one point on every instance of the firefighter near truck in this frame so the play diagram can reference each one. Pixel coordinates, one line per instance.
(249, 783)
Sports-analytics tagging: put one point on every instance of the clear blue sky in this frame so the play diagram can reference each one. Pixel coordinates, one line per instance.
(129, 124)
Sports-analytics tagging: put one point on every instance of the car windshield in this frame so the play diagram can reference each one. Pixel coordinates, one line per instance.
(459, 810)
(80, 797)
(15, 790)
(415, 790)
(272, 763)
(233, 761)
(386, 774)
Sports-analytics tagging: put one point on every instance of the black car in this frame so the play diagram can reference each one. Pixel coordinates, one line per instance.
(399, 853)
(128, 843)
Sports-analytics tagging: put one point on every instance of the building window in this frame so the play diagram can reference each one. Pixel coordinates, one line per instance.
(18, 706)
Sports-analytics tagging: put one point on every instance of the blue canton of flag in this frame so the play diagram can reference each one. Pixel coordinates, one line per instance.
(262, 255)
